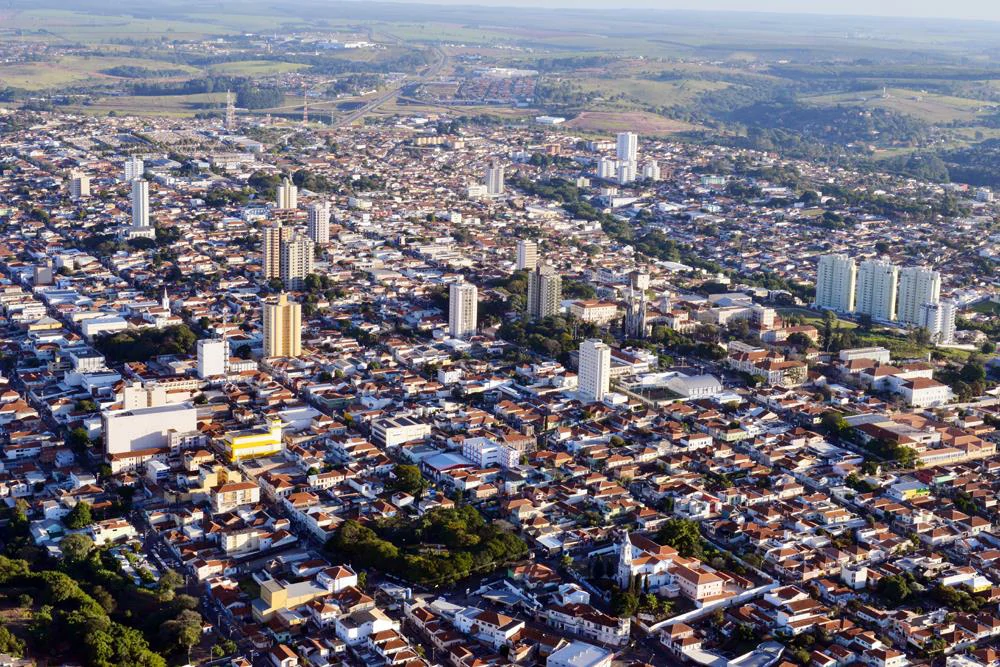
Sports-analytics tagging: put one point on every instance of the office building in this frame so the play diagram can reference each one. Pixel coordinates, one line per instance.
(463, 300)
(917, 286)
(140, 204)
(212, 355)
(627, 147)
(79, 186)
(939, 320)
(296, 261)
(134, 169)
(318, 226)
(544, 292)
(288, 195)
(875, 294)
(273, 237)
(282, 328)
(836, 282)
(595, 369)
(494, 179)
(527, 255)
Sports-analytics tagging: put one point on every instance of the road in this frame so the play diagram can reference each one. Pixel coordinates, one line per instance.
(392, 92)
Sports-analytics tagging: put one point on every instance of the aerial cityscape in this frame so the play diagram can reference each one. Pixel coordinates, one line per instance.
(371, 334)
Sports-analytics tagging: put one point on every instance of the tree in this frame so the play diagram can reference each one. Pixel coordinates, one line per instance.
(894, 588)
(408, 479)
(9, 644)
(75, 547)
(182, 632)
(169, 582)
(79, 516)
(683, 535)
(835, 424)
(624, 603)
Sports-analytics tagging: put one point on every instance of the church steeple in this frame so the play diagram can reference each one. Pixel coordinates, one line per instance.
(165, 300)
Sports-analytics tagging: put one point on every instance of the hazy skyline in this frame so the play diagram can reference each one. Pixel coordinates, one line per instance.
(960, 9)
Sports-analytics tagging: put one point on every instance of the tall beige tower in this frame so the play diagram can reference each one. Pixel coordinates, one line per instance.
(273, 237)
(282, 328)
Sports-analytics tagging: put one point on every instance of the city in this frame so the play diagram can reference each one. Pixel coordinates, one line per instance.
(401, 383)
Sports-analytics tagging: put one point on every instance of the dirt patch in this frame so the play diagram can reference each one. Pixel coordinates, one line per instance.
(641, 122)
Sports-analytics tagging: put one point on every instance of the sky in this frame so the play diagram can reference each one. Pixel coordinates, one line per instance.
(957, 9)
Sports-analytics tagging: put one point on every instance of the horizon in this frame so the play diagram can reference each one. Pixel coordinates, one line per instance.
(969, 10)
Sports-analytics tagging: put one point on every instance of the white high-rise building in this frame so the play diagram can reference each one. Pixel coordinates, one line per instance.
(626, 172)
(836, 282)
(494, 179)
(463, 300)
(917, 286)
(79, 186)
(544, 292)
(134, 169)
(607, 168)
(939, 320)
(140, 204)
(296, 261)
(288, 195)
(319, 223)
(527, 255)
(651, 170)
(876, 289)
(627, 146)
(595, 369)
(212, 354)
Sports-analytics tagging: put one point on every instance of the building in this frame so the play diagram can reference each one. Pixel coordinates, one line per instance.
(626, 172)
(282, 328)
(595, 369)
(212, 355)
(494, 179)
(580, 654)
(463, 301)
(134, 169)
(875, 294)
(607, 168)
(296, 261)
(261, 441)
(137, 396)
(527, 255)
(544, 292)
(79, 186)
(594, 311)
(395, 431)
(627, 146)
(487, 453)
(836, 278)
(288, 195)
(273, 237)
(651, 170)
(917, 286)
(318, 225)
(635, 305)
(939, 320)
(146, 428)
(140, 204)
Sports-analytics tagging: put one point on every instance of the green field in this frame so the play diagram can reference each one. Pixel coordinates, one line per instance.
(926, 106)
